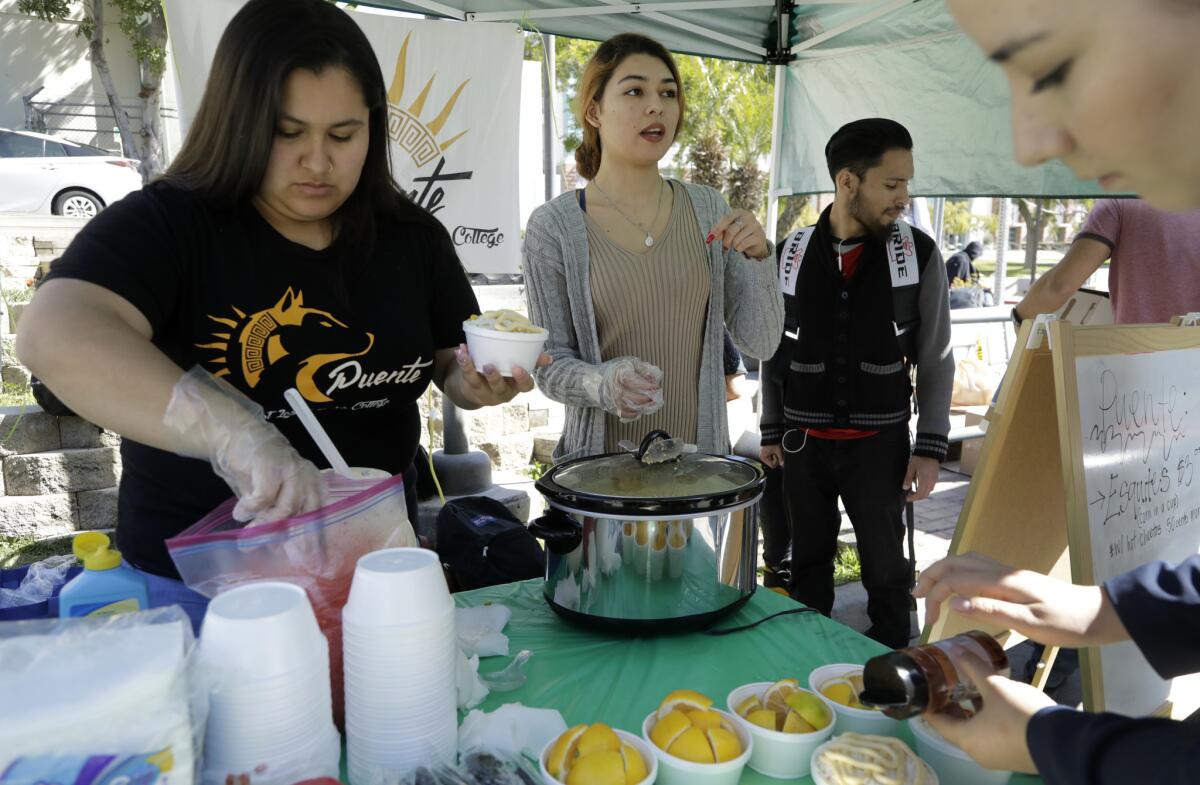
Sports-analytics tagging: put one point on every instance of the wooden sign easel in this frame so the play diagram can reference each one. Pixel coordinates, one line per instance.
(1086, 471)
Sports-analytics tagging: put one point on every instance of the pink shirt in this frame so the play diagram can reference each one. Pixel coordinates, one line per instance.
(1155, 269)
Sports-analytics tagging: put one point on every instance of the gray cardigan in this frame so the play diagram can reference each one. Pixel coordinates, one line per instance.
(744, 296)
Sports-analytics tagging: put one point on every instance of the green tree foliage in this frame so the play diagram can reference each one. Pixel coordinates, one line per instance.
(145, 27)
(957, 219)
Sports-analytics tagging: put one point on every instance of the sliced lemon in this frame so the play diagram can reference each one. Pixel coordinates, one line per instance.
(780, 689)
(668, 729)
(838, 691)
(810, 708)
(599, 768)
(706, 719)
(597, 738)
(635, 765)
(748, 705)
(725, 744)
(764, 718)
(563, 751)
(693, 745)
(686, 700)
(794, 723)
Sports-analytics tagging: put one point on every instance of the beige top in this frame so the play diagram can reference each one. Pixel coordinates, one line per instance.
(653, 306)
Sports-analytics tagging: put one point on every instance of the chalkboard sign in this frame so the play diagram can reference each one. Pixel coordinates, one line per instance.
(1118, 487)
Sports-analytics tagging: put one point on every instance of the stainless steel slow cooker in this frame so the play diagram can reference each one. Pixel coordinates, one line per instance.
(646, 548)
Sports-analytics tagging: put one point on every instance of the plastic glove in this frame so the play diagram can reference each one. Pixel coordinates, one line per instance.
(215, 421)
(628, 388)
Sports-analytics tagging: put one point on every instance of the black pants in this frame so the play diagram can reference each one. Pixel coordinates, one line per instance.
(867, 474)
(776, 532)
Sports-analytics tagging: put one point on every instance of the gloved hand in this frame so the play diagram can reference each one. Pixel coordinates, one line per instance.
(215, 421)
(629, 388)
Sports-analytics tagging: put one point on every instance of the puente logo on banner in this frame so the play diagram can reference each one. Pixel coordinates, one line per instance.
(416, 138)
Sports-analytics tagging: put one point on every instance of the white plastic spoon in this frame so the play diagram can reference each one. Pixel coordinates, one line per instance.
(324, 443)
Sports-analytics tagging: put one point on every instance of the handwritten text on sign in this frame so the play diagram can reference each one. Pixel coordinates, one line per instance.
(1139, 417)
(1140, 454)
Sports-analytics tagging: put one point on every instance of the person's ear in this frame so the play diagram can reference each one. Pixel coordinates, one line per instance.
(847, 181)
(592, 114)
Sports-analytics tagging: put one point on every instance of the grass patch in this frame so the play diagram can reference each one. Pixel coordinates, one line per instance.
(19, 551)
(18, 295)
(535, 470)
(846, 567)
(16, 395)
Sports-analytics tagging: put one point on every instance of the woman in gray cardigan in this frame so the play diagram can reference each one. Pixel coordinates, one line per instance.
(637, 276)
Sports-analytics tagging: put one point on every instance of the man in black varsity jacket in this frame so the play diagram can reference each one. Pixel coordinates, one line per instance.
(866, 300)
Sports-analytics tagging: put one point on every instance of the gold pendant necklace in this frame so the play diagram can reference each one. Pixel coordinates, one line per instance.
(649, 241)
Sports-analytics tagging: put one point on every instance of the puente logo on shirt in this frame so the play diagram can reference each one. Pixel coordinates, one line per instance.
(287, 343)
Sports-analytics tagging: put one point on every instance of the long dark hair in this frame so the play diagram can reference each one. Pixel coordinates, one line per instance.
(224, 158)
(596, 75)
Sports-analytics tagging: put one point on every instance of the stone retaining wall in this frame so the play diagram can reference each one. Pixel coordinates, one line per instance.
(59, 474)
(512, 435)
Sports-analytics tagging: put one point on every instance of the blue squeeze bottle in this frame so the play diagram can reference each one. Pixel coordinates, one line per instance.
(107, 584)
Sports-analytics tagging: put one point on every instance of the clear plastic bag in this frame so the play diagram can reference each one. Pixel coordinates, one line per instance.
(974, 382)
(101, 699)
(39, 582)
(316, 551)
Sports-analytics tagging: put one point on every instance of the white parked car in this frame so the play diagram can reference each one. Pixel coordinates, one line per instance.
(45, 174)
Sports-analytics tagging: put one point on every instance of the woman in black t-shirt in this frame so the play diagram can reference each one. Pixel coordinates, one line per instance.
(276, 252)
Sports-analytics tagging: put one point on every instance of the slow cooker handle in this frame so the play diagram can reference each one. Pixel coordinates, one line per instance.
(561, 532)
(649, 439)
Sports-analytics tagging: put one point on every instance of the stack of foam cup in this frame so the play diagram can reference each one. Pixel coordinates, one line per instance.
(270, 710)
(399, 654)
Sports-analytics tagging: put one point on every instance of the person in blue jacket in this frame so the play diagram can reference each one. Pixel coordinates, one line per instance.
(1112, 89)
(1021, 728)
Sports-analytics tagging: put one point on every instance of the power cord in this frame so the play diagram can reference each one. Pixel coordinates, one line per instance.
(753, 624)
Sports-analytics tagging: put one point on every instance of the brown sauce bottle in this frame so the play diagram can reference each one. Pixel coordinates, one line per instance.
(926, 680)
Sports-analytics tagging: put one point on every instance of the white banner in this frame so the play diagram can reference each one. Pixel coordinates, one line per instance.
(454, 99)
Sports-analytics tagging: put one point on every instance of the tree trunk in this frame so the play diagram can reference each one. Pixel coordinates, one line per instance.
(100, 61)
(707, 159)
(747, 187)
(1034, 240)
(789, 215)
(151, 132)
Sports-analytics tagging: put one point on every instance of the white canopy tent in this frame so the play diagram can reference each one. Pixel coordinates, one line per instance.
(836, 61)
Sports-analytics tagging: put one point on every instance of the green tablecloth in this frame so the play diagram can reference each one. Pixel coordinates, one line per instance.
(597, 678)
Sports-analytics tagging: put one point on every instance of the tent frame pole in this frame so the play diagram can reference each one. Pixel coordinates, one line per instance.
(846, 27)
(439, 8)
(620, 7)
(773, 189)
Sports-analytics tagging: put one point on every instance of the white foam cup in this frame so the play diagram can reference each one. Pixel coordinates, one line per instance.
(847, 718)
(398, 586)
(262, 629)
(777, 754)
(504, 350)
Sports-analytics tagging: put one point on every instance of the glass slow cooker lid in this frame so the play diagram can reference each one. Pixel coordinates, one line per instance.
(622, 476)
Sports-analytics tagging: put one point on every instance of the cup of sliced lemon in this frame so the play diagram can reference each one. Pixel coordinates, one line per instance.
(787, 722)
(596, 754)
(839, 684)
(696, 744)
